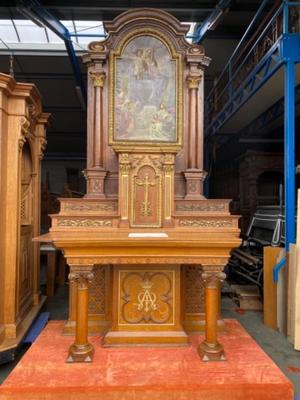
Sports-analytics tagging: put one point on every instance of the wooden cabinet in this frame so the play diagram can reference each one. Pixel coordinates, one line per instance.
(22, 142)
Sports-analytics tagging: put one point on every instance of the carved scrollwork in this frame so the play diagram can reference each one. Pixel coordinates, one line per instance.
(205, 223)
(22, 141)
(97, 46)
(84, 223)
(153, 260)
(42, 143)
(200, 207)
(90, 207)
(25, 124)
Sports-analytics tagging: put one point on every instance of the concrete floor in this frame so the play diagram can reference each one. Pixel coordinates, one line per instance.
(272, 342)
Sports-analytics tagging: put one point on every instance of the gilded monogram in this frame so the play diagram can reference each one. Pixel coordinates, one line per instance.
(147, 299)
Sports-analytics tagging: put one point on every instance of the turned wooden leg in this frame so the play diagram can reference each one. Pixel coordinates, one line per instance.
(210, 349)
(81, 350)
(51, 271)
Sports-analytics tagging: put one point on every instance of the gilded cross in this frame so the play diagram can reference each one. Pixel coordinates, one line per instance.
(145, 206)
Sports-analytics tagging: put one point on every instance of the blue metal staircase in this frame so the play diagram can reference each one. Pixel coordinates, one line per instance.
(267, 55)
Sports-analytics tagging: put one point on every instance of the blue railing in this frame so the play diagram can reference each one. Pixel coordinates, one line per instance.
(281, 18)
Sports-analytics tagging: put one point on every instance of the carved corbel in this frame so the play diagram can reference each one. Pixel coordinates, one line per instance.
(42, 147)
(26, 126)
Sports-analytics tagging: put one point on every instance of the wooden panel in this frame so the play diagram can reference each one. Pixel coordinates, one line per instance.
(25, 272)
(297, 302)
(270, 288)
(292, 281)
(146, 297)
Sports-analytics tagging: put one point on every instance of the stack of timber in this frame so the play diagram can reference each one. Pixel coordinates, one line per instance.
(247, 297)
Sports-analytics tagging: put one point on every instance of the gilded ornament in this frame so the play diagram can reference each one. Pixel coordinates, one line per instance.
(146, 298)
(89, 207)
(200, 207)
(193, 81)
(98, 78)
(198, 223)
(145, 205)
(84, 223)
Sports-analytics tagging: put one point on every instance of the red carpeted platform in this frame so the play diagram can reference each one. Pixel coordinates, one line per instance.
(146, 373)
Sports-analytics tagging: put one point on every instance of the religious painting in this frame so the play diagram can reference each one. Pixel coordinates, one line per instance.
(144, 106)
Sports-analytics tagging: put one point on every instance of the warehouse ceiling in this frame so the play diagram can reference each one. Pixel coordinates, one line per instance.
(40, 57)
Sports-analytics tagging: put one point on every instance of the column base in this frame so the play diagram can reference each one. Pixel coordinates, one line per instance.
(80, 353)
(95, 183)
(211, 352)
(194, 184)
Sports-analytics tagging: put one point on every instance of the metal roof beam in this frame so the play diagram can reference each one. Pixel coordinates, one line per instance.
(212, 20)
(40, 15)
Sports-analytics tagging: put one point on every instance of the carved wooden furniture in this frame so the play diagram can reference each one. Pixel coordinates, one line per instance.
(22, 142)
(253, 180)
(144, 241)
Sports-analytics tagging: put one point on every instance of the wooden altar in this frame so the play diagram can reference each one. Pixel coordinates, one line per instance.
(144, 242)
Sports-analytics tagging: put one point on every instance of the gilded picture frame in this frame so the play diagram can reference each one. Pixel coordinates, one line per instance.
(145, 92)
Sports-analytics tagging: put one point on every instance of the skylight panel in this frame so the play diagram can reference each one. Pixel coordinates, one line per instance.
(29, 32)
(89, 28)
(7, 31)
(53, 38)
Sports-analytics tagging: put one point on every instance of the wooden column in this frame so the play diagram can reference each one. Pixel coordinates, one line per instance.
(194, 173)
(95, 173)
(193, 85)
(210, 349)
(81, 350)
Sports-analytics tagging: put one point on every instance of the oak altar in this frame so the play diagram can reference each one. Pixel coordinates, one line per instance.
(144, 245)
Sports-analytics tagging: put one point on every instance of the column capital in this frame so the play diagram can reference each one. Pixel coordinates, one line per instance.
(81, 274)
(98, 78)
(213, 275)
(193, 81)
